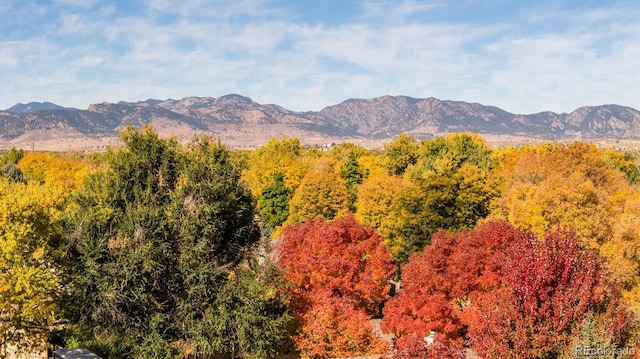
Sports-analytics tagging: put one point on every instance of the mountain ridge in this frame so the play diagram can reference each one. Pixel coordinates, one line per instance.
(236, 118)
(33, 107)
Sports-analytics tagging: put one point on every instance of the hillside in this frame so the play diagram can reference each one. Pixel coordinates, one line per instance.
(240, 121)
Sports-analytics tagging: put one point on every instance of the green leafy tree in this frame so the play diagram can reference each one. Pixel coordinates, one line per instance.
(350, 171)
(400, 153)
(451, 187)
(13, 156)
(243, 324)
(353, 175)
(273, 202)
(623, 162)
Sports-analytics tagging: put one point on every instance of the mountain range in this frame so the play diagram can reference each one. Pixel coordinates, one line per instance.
(239, 121)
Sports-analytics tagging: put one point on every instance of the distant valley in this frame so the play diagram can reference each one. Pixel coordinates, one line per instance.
(240, 122)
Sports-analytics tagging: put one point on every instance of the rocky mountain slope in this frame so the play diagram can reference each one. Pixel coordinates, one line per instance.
(240, 119)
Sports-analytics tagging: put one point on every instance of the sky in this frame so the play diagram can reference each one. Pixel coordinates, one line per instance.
(522, 56)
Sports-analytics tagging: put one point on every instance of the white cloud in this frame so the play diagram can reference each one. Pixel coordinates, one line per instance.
(394, 11)
(195, 50)
(84, 4)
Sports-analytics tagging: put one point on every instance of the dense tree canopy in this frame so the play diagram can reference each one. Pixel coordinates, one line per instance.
(400, 153)
(12, 173)
(509, 294)
(551, 289)
(273, 202)
(30, 232)
(322, 193)
(351, 173)
(451, 186)
(576, 188)
(286, 156)
(339, 272)
(440, 283)
(151, 250)
(377, 194)
(155, 237)
(13, 156)
(62, 170)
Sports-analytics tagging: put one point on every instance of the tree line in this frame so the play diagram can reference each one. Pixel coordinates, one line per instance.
(161, 249)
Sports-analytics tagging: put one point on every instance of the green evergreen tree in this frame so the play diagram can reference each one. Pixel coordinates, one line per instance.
(242, 325)
(351, 173)
(12, 173)
(154, 239)
(274, 202)
(593, 341)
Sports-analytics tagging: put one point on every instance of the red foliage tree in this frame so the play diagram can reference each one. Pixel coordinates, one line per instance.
(549, 288)
(416, 348)
(339, 272)
(447, 278)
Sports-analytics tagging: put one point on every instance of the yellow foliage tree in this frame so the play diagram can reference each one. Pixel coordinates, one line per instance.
(61, 170)
(372, 164)
(376, 195)
(29, 216)
(285, 156)
(321, 193)
(577, 188)
(450, 186)
(570, 187)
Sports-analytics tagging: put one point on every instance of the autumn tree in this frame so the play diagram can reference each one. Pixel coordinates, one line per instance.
(342, 151)
(372, 164)
(377, 194)
(550, 290)
(623, 162)
(30, 234)
(400, 153)
(451, 186)
(439, 284)
(509, 294)
(415, 347)
(321, 193)
(549, 186)
(577, 188)
(155, 238)
(339, 272)
(285, 156)
(58, 169)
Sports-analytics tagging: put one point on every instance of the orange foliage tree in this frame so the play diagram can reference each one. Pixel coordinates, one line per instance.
(62, 170)
(583, 189)
(339, 272)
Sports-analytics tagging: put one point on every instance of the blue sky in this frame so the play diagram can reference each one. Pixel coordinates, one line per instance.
(523, 56)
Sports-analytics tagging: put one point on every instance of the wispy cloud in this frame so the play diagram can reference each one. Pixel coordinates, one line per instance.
(527, 60)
